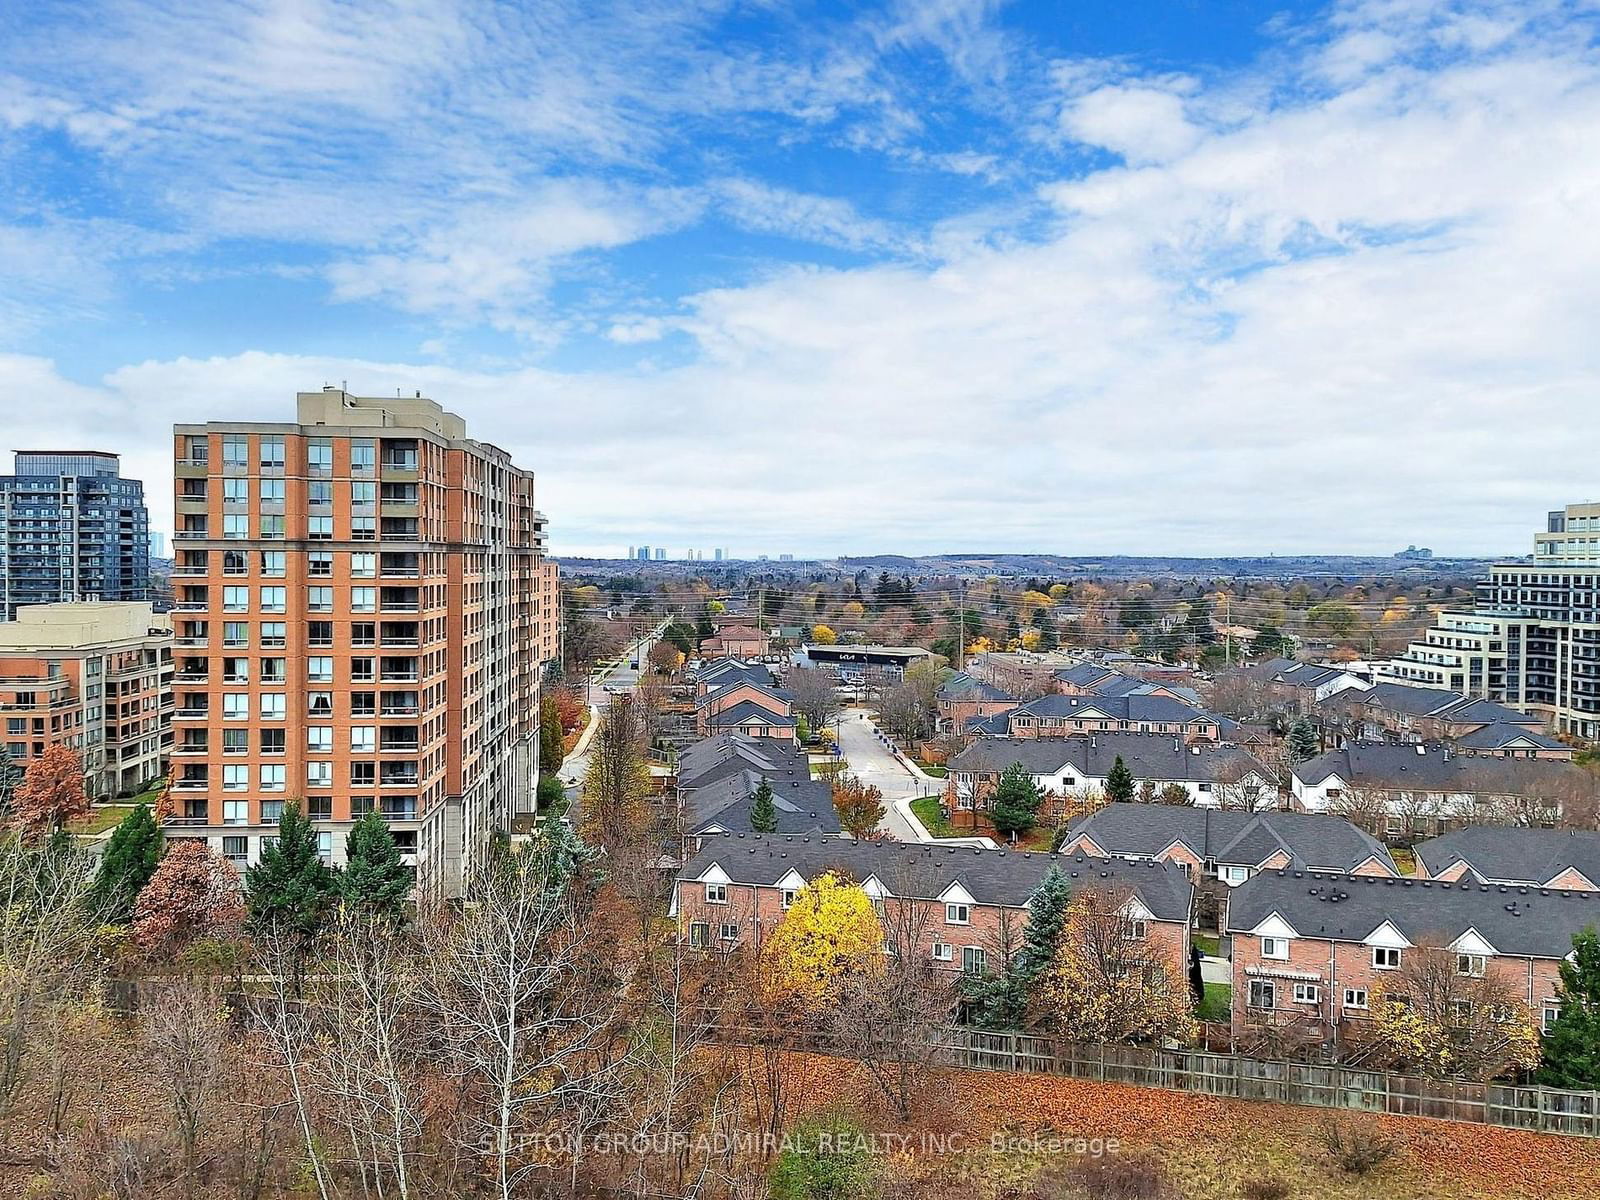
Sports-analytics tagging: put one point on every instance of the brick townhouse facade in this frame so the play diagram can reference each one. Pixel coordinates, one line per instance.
(1064, 716)
(1309, 947)
(737, 888)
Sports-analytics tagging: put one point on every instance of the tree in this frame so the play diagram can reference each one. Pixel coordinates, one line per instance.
(1301, 744)
(551, 750)
(193, 894)
(665, 658)
(1119, 783)
(130, 859)
(1014, 806)
(290, 890)
(549, 793)
(763, 812)
(814, 695)
(1571, 1050)
(829, 937)
(374, 882)
(11, 777)
(618, 779)
(51, 794)
(822, 635)
(1174, 793)
(859, 805)
(184, 1038)
(1435, 1018)
(1001, 1001)
(1104, 985)
(906, 712)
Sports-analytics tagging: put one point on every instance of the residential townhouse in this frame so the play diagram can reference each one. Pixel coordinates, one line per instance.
(1228, 846)
(96, 677)
(718, 673)
(1064, 716)
(738, 641)
(1542, 858)
(1403, 712)
(1300, 686)
(745, 707)
(735, 890)
(1426, 788)
(962, 697)
(717, 779)
(1309, 947)
(1065, 767)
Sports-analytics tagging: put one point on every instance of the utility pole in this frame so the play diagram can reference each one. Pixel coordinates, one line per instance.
(1227, 627)
(961, 618)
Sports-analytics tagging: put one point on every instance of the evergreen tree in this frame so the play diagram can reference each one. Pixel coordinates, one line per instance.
(291, 889)
(763, 812)
(1119, 783)
(1197, 627)
(11, 777)
(1301, 743)
(130, 859)
(1571, 1049)
(1016, 801)
(1197, 977)
(374, 882)
(1001, 1001)
(1048, 638)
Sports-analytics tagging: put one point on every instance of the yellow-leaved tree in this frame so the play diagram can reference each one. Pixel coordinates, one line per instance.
(822, 635)
(1105, 985)
(1447, 1014)
(830, 937)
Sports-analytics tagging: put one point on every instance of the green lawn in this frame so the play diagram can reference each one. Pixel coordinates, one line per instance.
(1206, 944)
(821, 770)
(926, 809)
(934, 769)
(1218, 1003)
(101, 818)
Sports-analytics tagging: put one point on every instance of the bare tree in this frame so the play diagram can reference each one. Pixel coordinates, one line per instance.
(285, 1023)
(1236, 783)
(814, 696)
(1364, 807)
(185, 1036)
(618, 780)
(517, 992)
(905, 712)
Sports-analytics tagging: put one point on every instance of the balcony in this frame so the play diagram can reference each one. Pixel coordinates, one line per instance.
(197, 783)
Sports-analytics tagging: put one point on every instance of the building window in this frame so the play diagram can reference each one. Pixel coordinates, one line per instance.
(236, 741)
(973, 959)
(235, 706)
(271, 491)
(1307, 993)
(363, 457)
(1385, 958)
(699, 933)
(319, 670)
(363, 566)
(716, 893)
(271, 812)
(273, 778)
(728, 931)
(235, 779)
(236, 812)
(319, 599)
(272, 452)
(236, 526)
(319, 738)
(274, 564)
(272, 526)
(1277, 948)
(275, 599)
(319, 457)
(319, 528)
(363, 738)
(319, 808)
(1355, 997)
(319, 563)
(1549, 1015)
(942, 952)
(1263, 994)
(1471, 964)
(274, 706)
(274, 635)
(957, 914)
(236, 849)
(319, 774)
(363, 599)
(235, 491)
(235, 599)
(786, 898)
(273, 741)
(235, 452)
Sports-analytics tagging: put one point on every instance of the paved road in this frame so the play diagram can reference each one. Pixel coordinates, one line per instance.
(874, 763)
(603, 683)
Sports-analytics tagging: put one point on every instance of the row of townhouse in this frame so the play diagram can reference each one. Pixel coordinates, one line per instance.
(970, 902)
(1542, 858)
(733, 695)
(1065, 768)
(1404, 712)
(1030, 674)
(1309, 947)
(1424, 789)
(737, 640)
(716, 780)
(1059, 715)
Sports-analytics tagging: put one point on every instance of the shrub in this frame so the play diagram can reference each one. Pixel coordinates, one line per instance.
(826, 1158)
(550, 792)
(1358, 1146)
(1121, 1177)
(1262, 1188)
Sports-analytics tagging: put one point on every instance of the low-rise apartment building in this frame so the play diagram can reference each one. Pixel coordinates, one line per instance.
(717, 779)
(973, 902)
(96, 677)
(1309, 948)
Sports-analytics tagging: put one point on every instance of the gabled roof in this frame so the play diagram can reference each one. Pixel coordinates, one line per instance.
(1233, 838)
(724, 671)
(740, 633)
(1085, 674)
(748, 712)
(1522, 921)
(720, 688)
(1524, 856)
(1158, 757)
(1000, 877)
(1436, 703)
(994, 725)
(1503, 736)
(1114, 708)
(1435, 768)
(723, 754)
(1298, 674)
(803, 806)
(962, 686)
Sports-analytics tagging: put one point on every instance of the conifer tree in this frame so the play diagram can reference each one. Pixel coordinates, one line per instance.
(291, 890)
(130, 859)
(11, 776)
(763, 812)
(1001, 1002)
(374, 882)
(1301, 744)
(1570, 1056)
(1016, 801)
(1119, 783)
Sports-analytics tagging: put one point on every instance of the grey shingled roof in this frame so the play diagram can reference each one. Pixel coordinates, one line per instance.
(1232, 838)
(802, 806)
(962, 686)
(995, 724)
(1439, 769)
(723, 754)
(1116, 708)
(748, 710)
(1003, 877)
(726, 670)
(1513, 855)
(1084, 674)
(766, 689)
(1523, 921)
(1161, 757)
(1500, 734)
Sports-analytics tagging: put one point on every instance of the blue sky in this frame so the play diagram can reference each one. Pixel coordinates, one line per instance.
(1195, 277)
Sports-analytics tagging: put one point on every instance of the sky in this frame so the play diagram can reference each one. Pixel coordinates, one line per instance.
(1077, 276)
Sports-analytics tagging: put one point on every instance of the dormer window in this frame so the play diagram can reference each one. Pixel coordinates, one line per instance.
(1385, 958)
(786, 898)
(957, 914)
(1275, 948)
(716, 893)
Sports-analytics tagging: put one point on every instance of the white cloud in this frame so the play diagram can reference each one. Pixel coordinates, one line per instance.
(1142, 124)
